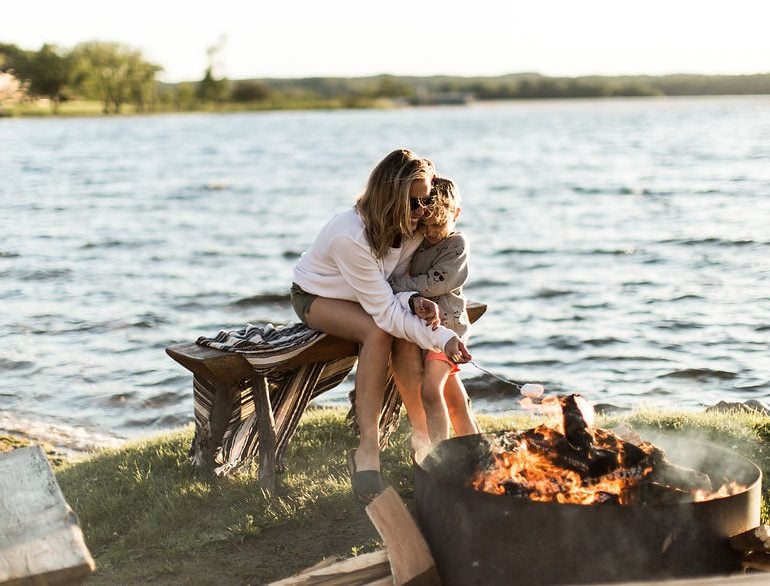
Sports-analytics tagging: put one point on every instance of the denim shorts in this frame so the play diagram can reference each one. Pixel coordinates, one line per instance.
(301, 301)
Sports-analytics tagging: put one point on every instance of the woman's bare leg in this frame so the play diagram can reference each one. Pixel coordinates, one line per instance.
(407, 374)
(349, 321)
(459, 407)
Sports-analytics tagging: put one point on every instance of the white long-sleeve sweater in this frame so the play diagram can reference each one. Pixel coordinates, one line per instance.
(340, 265)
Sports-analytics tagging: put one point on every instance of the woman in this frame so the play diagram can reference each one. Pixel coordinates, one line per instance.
(340, 287)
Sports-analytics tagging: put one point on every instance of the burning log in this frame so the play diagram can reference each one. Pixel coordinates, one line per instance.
(679, 477)
(577, 422)
(577, 463)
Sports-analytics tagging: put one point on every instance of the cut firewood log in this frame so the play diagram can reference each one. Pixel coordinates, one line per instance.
(40, 539)
(369, 569)
(756, 561)
(757, 539)
(411, 562)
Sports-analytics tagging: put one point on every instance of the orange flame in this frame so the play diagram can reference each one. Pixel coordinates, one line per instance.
(530, 471)
(728, 489)
(570, 461)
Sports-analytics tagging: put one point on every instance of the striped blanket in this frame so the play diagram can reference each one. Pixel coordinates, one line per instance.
(267, 348)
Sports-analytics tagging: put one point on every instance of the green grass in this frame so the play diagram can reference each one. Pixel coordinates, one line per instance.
(71, 108)
(84, 108)
(148, 516)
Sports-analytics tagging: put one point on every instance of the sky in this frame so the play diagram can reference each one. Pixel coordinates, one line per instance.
(351, 38)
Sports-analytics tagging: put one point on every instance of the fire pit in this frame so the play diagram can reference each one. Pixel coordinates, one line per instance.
(482, 538)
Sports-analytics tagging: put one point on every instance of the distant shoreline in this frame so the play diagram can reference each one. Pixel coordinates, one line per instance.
(119, 79)
(91, 109)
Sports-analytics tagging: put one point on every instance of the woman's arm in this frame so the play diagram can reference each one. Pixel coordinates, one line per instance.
(363, 272)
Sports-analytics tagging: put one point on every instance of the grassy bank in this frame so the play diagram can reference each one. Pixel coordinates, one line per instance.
(89, 108)
(148, 516)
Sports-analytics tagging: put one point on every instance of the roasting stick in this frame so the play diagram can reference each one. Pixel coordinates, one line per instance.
(531, 390)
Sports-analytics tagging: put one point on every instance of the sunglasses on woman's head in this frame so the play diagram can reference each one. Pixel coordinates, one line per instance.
(420, 202)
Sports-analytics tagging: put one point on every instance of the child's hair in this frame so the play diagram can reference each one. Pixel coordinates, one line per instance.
(384, 204)
(446, 200)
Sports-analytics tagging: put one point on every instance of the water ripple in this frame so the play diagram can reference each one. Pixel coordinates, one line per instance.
(700, 374)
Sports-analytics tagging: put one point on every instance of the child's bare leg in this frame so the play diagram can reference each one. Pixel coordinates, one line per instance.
(407, 374)
(459, 407)
(434, 377)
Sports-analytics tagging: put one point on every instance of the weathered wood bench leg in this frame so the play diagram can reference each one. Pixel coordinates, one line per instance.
(266, 431)
(219, 419)
(213, 407)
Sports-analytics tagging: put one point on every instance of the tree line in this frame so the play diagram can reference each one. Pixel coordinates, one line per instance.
(112, 73)
(116, 75)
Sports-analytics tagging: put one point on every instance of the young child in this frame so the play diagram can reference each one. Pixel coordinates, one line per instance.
(438, 271)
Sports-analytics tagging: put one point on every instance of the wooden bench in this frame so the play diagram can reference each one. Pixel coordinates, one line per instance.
(225, 372)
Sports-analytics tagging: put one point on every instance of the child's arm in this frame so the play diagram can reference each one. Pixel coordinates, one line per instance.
(448, 272)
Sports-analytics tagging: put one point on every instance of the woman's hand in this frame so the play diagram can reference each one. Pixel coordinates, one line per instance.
(456, 351)
(427, 310)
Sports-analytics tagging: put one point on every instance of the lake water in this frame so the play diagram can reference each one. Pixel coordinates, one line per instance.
(622, 246)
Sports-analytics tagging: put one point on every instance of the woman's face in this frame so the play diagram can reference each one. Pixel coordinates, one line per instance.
(418, 192)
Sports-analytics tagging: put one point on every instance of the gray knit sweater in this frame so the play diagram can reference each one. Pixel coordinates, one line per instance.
(438, 272)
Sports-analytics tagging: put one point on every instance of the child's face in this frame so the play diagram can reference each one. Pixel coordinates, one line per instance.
(435, 232)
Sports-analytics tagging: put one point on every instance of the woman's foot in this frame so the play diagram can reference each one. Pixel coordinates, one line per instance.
(367, 484)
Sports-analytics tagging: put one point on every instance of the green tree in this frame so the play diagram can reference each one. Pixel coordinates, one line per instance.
(211, 89)
(249, 91)
(142, 84)
(50, 71)
(16, 59)
(112, 73)
(214, 87)
(185, 96)
(392, 87)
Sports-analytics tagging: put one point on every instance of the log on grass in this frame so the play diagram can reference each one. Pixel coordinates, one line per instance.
(369, 569)
(755, 560)
(410, 559)
(40, 540)
(757, 539)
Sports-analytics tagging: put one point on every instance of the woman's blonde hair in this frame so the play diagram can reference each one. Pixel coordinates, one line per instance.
(384, 204)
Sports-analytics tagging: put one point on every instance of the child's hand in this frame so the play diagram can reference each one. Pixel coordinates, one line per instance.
(456, 351)
(427, 310)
